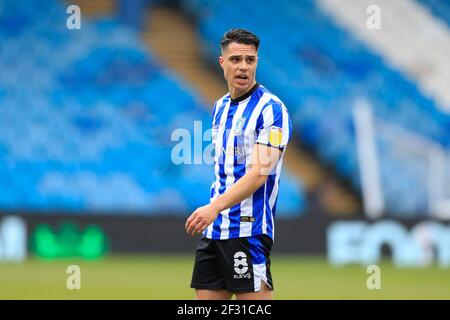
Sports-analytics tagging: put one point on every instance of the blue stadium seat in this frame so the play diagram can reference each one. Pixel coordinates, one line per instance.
(85, 121)
(319, 80)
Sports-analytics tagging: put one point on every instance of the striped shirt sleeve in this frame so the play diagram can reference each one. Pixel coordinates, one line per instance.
(273, 127)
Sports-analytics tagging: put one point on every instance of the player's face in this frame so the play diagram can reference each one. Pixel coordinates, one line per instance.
(238, 62)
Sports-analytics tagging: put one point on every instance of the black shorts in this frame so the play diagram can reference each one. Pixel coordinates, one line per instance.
(236, 265)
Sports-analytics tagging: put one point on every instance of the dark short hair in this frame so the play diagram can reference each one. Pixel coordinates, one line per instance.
(239, 36)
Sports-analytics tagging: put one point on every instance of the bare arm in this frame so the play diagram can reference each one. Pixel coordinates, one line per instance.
(264, 160)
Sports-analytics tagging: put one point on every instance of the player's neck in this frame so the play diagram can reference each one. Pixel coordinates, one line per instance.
(238, 95)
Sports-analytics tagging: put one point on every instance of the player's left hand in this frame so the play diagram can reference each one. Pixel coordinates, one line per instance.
(201, 219)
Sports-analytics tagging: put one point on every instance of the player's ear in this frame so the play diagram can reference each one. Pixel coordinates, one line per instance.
(221, 60)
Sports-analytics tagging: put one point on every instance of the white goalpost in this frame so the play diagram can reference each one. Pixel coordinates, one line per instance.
(426, 162)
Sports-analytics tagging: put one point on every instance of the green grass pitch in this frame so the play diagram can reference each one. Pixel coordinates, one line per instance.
(168, 277)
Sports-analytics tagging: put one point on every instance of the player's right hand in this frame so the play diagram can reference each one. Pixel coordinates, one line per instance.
(200, 219)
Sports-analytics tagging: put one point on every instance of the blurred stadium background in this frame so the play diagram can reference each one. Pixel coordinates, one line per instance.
(86, 118)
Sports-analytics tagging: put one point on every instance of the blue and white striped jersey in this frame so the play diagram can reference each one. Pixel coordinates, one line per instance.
(257, 117)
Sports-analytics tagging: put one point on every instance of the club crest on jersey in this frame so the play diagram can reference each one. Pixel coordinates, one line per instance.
(275, 136)
(239, 126)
